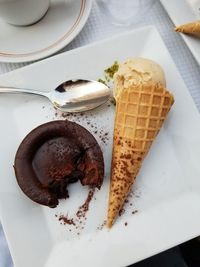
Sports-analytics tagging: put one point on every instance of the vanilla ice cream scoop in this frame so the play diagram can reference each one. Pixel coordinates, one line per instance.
(135, 71)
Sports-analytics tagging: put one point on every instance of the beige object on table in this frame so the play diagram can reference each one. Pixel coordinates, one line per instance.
(192, 28)
(140, 112)
(136, 70)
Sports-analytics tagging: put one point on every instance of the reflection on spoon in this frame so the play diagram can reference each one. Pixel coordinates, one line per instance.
(71, 96)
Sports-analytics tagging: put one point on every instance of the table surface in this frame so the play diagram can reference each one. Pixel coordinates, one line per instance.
(97, 29)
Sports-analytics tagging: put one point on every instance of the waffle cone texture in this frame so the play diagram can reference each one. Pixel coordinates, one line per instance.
(140, 113)
(192, 28)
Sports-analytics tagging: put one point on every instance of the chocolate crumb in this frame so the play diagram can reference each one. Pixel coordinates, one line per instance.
(85, 207)
(65, 220)
(135, 211)
(65, 115)
(101, 226)
(137, 196)
(121, 212)
(125, 223)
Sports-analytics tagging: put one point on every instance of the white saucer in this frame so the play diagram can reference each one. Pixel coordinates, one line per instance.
(62, 22)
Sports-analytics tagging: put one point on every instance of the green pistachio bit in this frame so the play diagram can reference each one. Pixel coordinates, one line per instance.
(102, 81)
(112, 69)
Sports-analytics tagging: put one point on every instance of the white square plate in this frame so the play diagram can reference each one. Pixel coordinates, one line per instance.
(182, 12)
(168, 184)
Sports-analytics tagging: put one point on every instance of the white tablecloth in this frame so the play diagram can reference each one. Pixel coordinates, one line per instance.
(99, 27)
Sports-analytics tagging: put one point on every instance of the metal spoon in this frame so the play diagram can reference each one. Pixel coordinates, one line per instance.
(71, 96)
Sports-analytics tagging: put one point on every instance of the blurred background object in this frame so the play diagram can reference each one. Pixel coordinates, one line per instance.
(126, 12)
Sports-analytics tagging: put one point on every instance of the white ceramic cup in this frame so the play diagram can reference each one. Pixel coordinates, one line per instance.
(23, 12)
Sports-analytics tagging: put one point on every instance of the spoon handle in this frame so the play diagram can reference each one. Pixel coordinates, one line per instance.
(6, 89)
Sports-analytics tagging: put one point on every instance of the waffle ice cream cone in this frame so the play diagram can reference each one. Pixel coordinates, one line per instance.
(192, 28)
(140, 112)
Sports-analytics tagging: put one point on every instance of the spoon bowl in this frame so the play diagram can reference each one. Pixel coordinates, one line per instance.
(71, 96)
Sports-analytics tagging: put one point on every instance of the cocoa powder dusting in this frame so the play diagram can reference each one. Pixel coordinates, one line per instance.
(121, 212)
(101, 226)
(79, 219)
(85, 207)
(88, 120)
(128, 206)
(134, 211)
(102, 134)
(66, 220)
